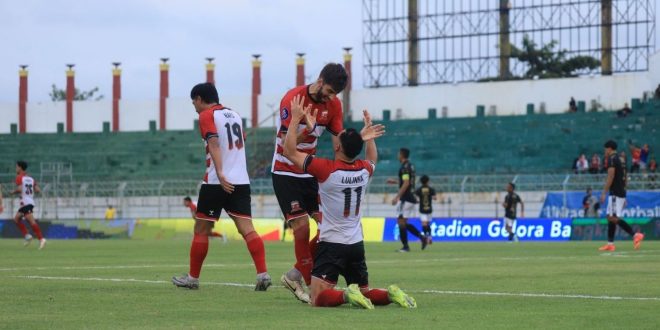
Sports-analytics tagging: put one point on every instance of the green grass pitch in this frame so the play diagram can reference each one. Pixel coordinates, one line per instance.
(125, 284)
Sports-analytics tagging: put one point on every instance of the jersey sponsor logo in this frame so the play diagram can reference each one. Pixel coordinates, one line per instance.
(352, 179)
(324, 114)
(285, 113)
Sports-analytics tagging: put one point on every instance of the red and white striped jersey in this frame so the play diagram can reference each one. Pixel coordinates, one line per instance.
(342, 187)
(27, 184)
(225, 124)
(329, 117)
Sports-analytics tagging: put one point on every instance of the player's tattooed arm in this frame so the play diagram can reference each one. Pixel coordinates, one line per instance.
(370, 133)
(214, 150)
(297, 114)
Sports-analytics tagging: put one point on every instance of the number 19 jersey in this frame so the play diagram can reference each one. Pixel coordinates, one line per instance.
(225, 124)
(342, 187)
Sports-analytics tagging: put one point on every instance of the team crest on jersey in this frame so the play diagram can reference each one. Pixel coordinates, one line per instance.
(285, 113)
(295, 207)
(324, 114)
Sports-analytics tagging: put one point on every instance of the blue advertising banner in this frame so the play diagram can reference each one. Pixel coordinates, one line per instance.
(639, 204)
(484, 229)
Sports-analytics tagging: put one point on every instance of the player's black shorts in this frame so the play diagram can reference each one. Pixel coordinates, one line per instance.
(347, 260)
(212, 200)
(27, 209)
(296, 196)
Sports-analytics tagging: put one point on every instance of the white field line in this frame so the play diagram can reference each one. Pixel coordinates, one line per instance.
(636, 254)
(535, 295)
(440, 292)
(397, 261)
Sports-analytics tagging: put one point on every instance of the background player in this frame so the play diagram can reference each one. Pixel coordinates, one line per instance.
(510, 204)
(297, 191)
(187, 202)
(342, 182)
(26, 186)
(406, 201)
(226, 186)
(615, 184)
(426, 195)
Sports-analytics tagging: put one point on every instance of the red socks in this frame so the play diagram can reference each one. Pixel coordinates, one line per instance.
(198, 250)
(256, 247)
(304, 259)
(329, 298)
(378, 297)
(313, 244)
(37, 231)
(21, 227)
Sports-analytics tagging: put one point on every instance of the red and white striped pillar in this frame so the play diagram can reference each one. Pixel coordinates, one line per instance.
(210, 70)
(116, 95)
(22, 98)
(346, 94)
(256, 88)
(300, 69)
(164, 91)
(70, 94)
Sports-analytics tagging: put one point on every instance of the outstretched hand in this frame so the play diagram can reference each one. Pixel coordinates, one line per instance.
(371, 131)
(301, 113)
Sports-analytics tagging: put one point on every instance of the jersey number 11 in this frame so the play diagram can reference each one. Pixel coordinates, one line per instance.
(347, 200)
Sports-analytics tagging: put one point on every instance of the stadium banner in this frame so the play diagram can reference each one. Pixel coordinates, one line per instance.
(268, 229)
(596, 229)
(639, 204)
(485, 229)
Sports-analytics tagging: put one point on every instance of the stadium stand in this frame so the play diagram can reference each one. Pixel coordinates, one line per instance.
(485, 145)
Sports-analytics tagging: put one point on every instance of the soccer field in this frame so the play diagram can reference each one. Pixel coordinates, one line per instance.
(126, 284)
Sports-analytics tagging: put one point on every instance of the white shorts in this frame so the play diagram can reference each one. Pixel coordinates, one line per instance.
(615, 205)
(509, 222)
(406, 209)
(425, 217)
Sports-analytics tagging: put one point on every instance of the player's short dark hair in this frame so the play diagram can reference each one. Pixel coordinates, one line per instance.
(405, 152)
(206, 91)
(424, 179)
(187, 199)
(513, 185)
(334, 75)
(588, 189)
(351, 142)
(610, 144)
(22, 164)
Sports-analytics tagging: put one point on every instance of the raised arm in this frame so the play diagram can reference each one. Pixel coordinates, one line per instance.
(370, 133)
(297, 114)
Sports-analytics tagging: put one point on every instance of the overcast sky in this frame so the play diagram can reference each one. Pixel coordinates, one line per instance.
(92, 34)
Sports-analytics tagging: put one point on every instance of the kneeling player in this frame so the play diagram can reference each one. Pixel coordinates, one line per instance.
(226, 186)
(342, 184)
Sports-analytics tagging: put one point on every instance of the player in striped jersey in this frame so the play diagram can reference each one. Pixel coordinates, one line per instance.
(26, 186)
(342, 185)
(297, 191)
(226, 186)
